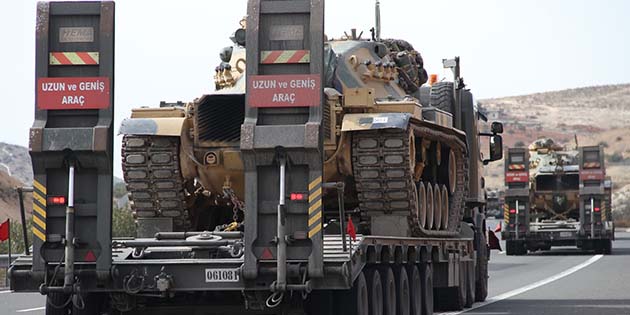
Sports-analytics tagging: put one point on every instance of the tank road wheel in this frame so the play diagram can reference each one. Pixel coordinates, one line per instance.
(437, 207)
(422, 205)
(445, 207)
(426, 282)
(430, 207)
(415, 290)
(354, 301)
(389, 291)
(375, 292)
(403, 294)
(470, 284)
(151, 169)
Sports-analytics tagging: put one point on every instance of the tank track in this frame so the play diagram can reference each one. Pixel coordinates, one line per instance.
(382, 168)
(155, 186)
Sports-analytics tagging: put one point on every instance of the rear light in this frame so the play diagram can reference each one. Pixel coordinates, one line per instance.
(597, 209)
(512, 225)
(298, 196)
(56, 200)
(512, 211)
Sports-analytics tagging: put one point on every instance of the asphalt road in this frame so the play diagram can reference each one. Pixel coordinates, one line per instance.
(561, 281)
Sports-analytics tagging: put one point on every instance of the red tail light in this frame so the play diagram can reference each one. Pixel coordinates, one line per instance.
(56, 200)
(298, 196)
(597, 209)
(512, 211)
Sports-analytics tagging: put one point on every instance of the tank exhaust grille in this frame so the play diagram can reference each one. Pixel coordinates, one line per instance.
(219, 117)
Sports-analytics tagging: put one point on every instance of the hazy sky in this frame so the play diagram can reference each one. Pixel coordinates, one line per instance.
(167, 50)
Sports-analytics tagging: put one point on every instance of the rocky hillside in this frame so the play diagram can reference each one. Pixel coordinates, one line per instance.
(15, 161)
(593, 115)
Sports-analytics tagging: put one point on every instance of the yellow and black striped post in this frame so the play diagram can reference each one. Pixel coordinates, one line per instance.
(39, 211)
(315, 207)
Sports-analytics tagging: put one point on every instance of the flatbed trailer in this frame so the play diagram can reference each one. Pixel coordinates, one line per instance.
(301, 267)
(586, 221)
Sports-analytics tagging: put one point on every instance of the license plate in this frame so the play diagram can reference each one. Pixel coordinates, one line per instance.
(566, 234)
(222, 275)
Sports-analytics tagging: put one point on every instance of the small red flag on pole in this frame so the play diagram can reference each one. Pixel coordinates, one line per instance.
(4, 231)
(351, 230)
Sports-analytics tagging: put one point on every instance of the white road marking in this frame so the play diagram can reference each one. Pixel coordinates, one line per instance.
(5, 291)
(31, 309)
(529, 287)
(628, 230)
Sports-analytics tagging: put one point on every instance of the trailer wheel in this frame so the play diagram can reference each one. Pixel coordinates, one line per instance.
(415, 290)
(515, 248)
(57, 304)
(353, 302)
(426, 275)
(481, 287)
(607, 246)
(89, 304)
(375, 292)
(403, 294)
(462, 288)
(470, 284)
(389, 290)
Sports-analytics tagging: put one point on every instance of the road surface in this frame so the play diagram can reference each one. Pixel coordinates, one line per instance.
(562, 281)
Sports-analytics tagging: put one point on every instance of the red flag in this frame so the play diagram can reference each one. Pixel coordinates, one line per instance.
(351, 230)
(498, 228)
(4, 230)
(493, 241)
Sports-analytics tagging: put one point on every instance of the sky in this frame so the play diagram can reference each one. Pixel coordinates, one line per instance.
(167, 50)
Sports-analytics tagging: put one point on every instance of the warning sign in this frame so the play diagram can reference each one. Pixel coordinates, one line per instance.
(73, 93)
(284, 90)
(517, 177)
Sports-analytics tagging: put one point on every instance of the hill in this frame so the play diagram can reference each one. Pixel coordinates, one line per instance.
(16, 162)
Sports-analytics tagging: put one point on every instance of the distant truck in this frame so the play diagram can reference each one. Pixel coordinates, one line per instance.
(557, 197)
(495, 200)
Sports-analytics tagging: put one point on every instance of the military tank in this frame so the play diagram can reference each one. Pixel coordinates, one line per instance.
(555, 181)
(397, 143)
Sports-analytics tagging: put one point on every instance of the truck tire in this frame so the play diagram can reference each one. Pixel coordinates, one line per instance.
(607, 246)
(415, 290)
(375, 292)
(89, 304)
(462, 289)
(481, 286)
(470, 284)
(442, 96)
(403, 292)
(353, 302)
(424, 95)
(57, 304)
(389, 290)
(515, 248)
(426, 276)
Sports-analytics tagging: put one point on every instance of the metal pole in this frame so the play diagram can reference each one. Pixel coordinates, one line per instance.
(377, 27)
(342, 215)
(282, 245)
(68, 279)
(592, 219)
(9, 261)
(516, 222)
(23, 219)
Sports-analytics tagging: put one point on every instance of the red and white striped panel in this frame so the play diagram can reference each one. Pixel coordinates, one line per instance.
(73, 58)
(285, 56)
